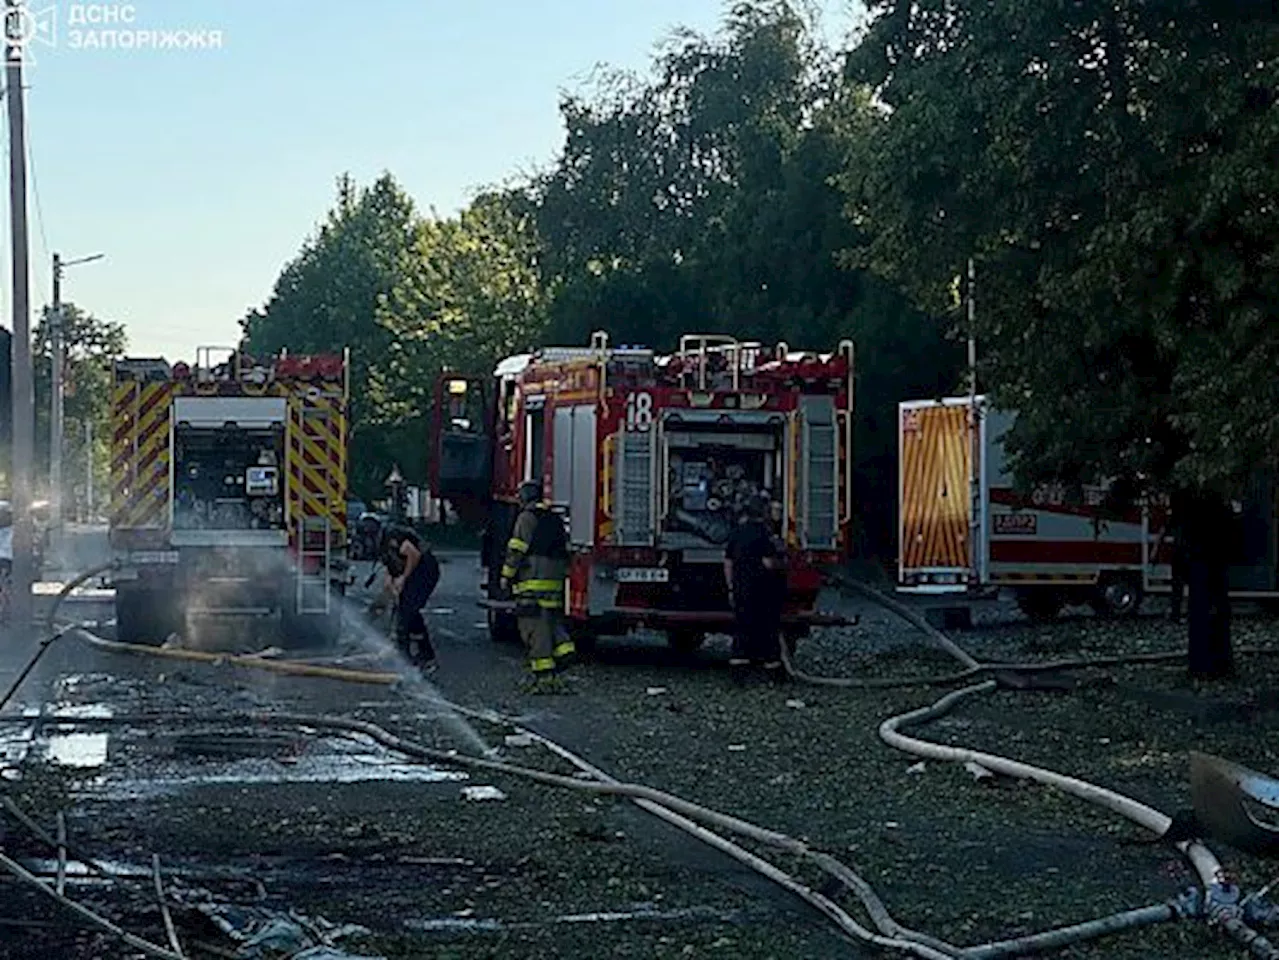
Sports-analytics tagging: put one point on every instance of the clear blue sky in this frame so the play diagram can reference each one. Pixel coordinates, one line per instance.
(200, 172)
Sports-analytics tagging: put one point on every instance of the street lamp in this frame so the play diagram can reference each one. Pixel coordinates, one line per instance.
(57, 396)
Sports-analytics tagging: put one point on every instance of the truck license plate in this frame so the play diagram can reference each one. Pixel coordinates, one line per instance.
(643, 574)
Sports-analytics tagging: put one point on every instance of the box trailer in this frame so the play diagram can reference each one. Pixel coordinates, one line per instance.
(966, 531)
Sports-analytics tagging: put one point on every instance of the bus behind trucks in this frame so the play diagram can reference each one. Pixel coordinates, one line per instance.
(966, 532)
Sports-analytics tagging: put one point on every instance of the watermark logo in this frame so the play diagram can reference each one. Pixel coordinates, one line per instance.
(93, 26)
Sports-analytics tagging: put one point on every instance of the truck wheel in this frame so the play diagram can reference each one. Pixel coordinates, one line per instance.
(144, 616)
(1117, 597)
(686, 641)
(503, 627)
(310, 631)
(1040, 604)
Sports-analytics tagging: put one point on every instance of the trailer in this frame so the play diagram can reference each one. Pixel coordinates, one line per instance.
(967, 532)
(229, 483)
(648, 457)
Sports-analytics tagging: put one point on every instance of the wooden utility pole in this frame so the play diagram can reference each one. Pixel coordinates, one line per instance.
(23, 390)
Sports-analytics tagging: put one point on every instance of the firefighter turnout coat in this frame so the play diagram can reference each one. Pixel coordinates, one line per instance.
(537, 560)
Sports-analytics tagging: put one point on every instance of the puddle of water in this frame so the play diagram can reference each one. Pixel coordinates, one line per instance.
(85, 750)
(322, 761)
(78, 872)
(640, 912)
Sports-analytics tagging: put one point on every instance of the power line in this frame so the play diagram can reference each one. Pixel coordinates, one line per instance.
(35, 196)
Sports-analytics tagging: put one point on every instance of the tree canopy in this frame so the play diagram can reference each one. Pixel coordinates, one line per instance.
(406, 295)
(91, 346)
(1111, 167)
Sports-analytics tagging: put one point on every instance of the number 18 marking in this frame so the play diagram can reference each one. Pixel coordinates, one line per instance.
(639, 411)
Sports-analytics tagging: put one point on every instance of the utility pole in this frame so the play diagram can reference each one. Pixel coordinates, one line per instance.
(56, 399)
(23, 391)
(57, 417)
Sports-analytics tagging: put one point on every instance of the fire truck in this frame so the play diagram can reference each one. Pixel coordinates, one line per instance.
(228, 493)
(966, 532)
(649, 457)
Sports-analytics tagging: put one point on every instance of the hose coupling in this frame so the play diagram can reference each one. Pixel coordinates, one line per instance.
(1222, 902)
(1189, 904)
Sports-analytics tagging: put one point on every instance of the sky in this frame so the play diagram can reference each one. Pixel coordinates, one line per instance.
(200, 172)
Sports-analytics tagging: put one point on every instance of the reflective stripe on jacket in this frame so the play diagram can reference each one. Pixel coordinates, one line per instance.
(537, 558)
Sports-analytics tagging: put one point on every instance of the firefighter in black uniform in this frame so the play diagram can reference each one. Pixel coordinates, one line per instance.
(534, 572)
(755, 571)
(413, 573)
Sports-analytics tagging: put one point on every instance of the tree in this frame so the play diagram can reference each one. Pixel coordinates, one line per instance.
(701, 198)
(1111, 167)
(407, 296)
(91, 346)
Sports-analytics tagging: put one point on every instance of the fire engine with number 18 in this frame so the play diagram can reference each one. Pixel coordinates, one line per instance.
(650, 458)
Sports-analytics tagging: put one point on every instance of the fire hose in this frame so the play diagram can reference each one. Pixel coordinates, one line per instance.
(684, 814)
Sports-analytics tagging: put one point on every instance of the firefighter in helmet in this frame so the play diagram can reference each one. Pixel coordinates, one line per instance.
(534, 571)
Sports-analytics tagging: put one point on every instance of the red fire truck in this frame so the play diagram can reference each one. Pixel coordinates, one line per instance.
(966, 532)
(648, 458)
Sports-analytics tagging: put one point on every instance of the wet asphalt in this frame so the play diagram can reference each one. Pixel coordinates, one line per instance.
(349, 831)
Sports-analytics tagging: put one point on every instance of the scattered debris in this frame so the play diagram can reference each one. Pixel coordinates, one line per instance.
(483, 793)
(263, 933)
(978, 771)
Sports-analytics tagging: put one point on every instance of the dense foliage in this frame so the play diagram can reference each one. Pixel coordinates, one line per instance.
(1111, 166)
(92, 345)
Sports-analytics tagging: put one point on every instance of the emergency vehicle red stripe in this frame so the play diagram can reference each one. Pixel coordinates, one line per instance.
(1065, 551)
(1008, 498)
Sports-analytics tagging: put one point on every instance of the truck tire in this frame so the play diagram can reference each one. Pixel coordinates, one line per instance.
(686, 641)
(1040, 604)
(584, 639)
(1117, 597)
(145, 615)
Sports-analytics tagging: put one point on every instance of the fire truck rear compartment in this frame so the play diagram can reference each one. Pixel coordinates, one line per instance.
(711, 474)
(228, 478)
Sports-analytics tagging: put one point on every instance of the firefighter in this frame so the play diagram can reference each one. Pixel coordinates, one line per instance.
(413, 573)
(533, 572)
(754, 570)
